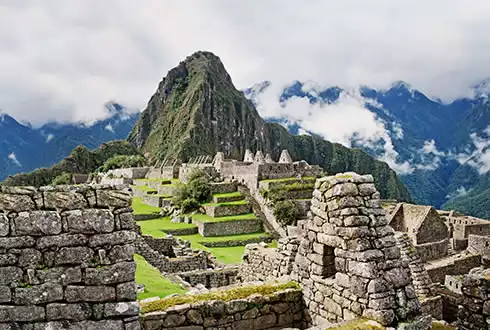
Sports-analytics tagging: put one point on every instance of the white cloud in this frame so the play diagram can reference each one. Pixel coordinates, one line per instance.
(13, 158)
(49, 137)
(337, 122)
(73, 56)
(109, 128)
(397, 130)
(480, 157)
(460, 192)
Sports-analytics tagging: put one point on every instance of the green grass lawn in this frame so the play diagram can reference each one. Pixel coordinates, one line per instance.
(143, 188)
(305, 178)
(240, 202)
(155, 284)
(227, 255)
(139, 207)
(232, 194)
(207, 218)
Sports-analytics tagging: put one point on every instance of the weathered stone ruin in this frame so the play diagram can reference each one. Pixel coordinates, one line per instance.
(66, 259)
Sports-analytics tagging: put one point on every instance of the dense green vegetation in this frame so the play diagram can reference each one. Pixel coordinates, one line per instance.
(123, 161)
(222, 295)
(191, 195)
(285, 212)
(64, 178)
(81, 160)
(156, 285)
(187, 128)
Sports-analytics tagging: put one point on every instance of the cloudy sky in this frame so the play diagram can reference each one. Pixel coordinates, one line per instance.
(62, 60)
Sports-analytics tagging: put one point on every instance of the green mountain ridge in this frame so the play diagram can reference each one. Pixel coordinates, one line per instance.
(196, 110)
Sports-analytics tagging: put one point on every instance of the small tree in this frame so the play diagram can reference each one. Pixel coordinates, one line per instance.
(64, 178)
(285, 212)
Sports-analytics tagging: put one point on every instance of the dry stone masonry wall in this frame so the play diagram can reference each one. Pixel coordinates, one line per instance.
(348, 261)
(66, 258)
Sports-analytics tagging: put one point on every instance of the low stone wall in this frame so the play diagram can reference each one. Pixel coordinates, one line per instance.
(69, 268)
(432, 251)
(450, 303)
(227, 210)
(242, 242)
(262, 264)
(280, 310)
(432, 306)
(459, 244)
(116, 181)
(226, 228)
(182, 231)
(130, 173)
(149, 216)
(198, 260)
(156, 201)
(211, 278)
(299, 194)
(474, 311)
(479, 244)
(274, 184)
(223, 187)
(452, 266)
(163, 245)
(167, 190)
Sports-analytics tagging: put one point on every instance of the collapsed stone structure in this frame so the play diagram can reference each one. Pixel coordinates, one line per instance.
(66, 258)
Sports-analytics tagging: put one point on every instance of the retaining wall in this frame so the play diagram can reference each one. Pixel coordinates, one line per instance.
(432, 251)
(461, 264)
(225, 228)
(227, 210)
(280, 310)
(66, 258)
(211, 278)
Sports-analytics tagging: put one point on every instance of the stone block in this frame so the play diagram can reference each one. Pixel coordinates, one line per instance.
(90, 221)
(63, 240)
(117, 238)
(4, 225)
(90, 293)
(367, 189)
(16, 203)
(8, 259)
(194, 317)
(73, 255)
(174, 320)
(16, 242)
(113, 198)
(21, 313)
(346, 189)
(61, 275)
(127, 221)
(72, 312)
(117, 273)
(385, 317)
(64, 200)
(363, 269)
(356, 220)
(30, 258)
(121, 309)
(37, 223)
(265, 321)
(8, 275)
(126, 291)
(38, 294)
(5, 294)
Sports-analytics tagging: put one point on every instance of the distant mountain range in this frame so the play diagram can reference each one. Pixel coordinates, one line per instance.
(24, 148)
(441, 151)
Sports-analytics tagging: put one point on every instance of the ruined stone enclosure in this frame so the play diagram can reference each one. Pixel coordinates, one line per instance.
(348, 262)
(66, 258)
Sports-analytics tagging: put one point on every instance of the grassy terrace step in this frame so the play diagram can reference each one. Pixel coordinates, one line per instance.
(139, 207)
(227, 197)
(223, 295)
(155, 284)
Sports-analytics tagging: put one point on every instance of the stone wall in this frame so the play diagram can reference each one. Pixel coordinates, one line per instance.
(210, 278)
(66, 258)
(238, 242)
(283, 309)
(479, 244)
(303, 206)
(130, 173)
(223, 187)
(262, 264)
(226, 210)
(432, 251)
(474, 311)
(347, 261)
(163, 245)
(458, 264)
(193, 261)
(226, 228)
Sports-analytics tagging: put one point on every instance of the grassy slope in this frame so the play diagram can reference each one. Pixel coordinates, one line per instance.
(155, 284)
(141, 208)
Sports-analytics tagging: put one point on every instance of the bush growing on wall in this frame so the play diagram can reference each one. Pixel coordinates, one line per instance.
(197, 190)
(64, 178)
(285, 212)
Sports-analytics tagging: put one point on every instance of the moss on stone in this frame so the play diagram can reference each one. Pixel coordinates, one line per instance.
(359, 324)
(224, 295)
(439, 326)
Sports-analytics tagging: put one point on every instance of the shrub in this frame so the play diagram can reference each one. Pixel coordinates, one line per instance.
(200, 189)
(189, 205)
(123, 161)
(276, 194)
(197, 188)
(285, 212)
(64, 178)
(181, 193)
